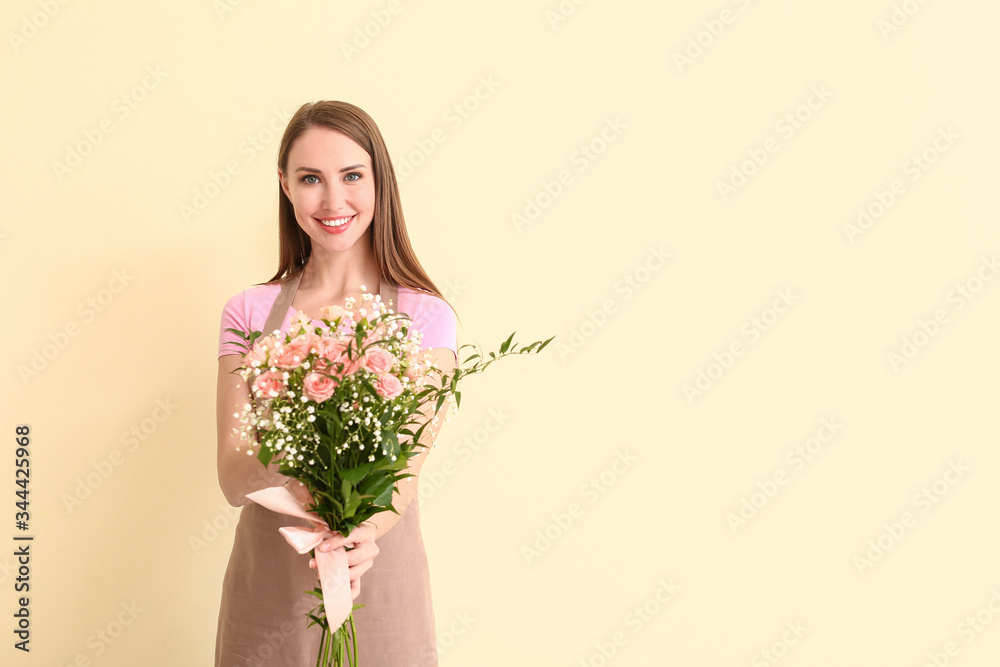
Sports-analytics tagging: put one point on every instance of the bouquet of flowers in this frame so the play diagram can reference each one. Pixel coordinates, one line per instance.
(338, 408)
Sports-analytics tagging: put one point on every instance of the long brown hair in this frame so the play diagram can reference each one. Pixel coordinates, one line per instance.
(394, 255)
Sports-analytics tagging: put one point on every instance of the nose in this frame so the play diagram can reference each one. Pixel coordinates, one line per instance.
(334, 195)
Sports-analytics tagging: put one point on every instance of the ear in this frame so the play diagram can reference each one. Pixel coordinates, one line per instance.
(283, 182)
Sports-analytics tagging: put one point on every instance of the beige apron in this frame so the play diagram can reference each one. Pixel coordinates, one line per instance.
(262, 617)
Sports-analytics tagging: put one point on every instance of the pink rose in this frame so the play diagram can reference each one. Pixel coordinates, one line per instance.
(286, 356)
(303, 344)
(351, 358)
(257, 353)
(388, 386)
(330, 348)
(331, 313)
(378, 360)
(334, 352)
(270, 384)
(318, 387)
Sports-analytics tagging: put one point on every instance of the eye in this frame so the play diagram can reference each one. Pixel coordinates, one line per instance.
(307, 176)
(353, 173)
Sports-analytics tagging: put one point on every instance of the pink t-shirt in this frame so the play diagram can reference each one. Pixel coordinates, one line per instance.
(248, 311)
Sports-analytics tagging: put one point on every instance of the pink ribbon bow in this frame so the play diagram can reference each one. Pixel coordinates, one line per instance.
(332, 565)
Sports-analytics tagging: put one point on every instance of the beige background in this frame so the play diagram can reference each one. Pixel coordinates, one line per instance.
(153, 533)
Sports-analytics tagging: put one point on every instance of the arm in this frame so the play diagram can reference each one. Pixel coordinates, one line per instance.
(239, 474)
(407, 491)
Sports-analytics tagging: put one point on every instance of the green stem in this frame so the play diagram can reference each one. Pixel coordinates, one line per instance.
(354, 642)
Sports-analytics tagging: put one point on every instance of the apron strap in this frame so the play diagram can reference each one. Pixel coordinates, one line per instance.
(279, 309)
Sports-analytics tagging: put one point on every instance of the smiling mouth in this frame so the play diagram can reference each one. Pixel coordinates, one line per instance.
(336, 222)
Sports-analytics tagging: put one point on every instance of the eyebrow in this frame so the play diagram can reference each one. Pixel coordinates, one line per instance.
(317, 171)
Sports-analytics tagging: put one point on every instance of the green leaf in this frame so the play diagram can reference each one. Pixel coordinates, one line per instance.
(383, 497)
(264, 455)
(506, 344)
(355, 475)
(352, 506)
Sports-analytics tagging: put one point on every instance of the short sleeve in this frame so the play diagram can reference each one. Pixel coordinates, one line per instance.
(432, 317)
(235, 316)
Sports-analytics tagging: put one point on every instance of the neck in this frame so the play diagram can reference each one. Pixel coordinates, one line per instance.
(338, 275)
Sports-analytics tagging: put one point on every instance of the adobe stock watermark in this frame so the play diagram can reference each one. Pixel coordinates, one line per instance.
(88, 310)
(899, 16)
(99, 641)
(429, 652)
(794, 631)
(751, 331)
(131, 440)
(121, 108)
(33, 23)
(927, 329)
(451, 290)
(967, 630)
(248, 149)
(636, 619)
(581, 158)
(432, 481)
(461, 623)
(626, 287)
(366, 33)
(272, 641)
(711, 30)
(561, 12)
(787, 127)
(923, 500)
(914, 167)
(592, 490)
(453, 118)
(211, 529)
(223, 8)
(796, 458)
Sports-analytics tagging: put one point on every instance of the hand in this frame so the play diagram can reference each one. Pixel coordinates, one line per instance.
(361, 556)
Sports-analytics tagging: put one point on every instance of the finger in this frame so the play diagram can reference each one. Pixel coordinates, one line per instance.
(355, 589)
(367, 551)
(334, 541)
(354, 573)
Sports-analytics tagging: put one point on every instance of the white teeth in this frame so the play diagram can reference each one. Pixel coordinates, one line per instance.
(336, 222)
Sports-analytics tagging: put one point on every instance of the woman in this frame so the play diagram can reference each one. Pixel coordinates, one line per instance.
(341, 227)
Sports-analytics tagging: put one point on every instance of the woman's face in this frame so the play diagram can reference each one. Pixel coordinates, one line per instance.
(330, 183)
